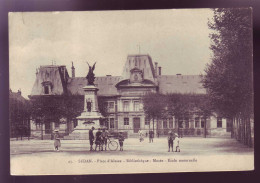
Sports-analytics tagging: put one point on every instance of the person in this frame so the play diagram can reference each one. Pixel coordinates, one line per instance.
(140, 132)
(91, 138)
(146, 134)
(121, 140)
(98, 140)
(104, 139)
(57, 143)
(177, 142)
(151, 136)
(170, 140)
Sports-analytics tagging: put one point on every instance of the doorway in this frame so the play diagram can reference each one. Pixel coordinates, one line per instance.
(136, 124)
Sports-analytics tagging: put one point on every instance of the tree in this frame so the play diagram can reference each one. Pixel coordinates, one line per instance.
(154, 105)
(203, 108)
(103, 109)
(46, 109)
(178, 107)
(228, 78)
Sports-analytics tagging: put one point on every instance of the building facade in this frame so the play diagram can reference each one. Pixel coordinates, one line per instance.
(123, 97)
(19, 115)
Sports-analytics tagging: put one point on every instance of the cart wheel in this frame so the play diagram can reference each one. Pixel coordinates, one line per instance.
(113, 145)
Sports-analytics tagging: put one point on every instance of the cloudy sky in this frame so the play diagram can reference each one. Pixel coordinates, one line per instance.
(177, 39)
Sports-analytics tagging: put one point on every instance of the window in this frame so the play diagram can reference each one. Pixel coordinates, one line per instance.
(111, 107)
(202, 122)
(126, 106)
(197, 122)
(112, 123)
(57, 125)
(106, 123)
(135, 77)
(126, 121)
(164, 123)
(47, 128)
(147, 121)
(170, 123)
(180, 123)
(186, 122)
(38, 126)
(136, 106)
(46, 89)
(219, 122)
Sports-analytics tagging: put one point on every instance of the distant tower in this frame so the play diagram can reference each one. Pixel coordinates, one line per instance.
(73, 71)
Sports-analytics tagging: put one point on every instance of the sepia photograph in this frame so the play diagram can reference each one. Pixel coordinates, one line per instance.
(131, 91)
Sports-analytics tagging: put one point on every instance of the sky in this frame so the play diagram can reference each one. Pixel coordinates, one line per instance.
(177, 39)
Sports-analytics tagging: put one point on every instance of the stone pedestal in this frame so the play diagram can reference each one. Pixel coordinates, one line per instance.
(90, 115)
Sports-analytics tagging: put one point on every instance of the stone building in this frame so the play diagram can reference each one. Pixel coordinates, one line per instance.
(123, 96)
(19, 115)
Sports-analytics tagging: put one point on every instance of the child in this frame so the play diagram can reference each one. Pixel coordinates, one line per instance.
(141, 138)
(56, 140)
(170, 140)
(121, 140)
(177, 142)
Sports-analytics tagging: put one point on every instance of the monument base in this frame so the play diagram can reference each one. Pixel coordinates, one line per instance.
(89, 118)
(86, 121)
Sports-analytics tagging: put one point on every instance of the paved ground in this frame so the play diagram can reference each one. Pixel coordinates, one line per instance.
(36, 157)
(189, 146)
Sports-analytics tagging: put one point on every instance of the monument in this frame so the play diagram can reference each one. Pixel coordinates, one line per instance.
(90, 115)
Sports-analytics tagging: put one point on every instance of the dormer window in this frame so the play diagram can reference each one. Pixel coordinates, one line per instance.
(46, 90)
(136, 75)
(47, 87)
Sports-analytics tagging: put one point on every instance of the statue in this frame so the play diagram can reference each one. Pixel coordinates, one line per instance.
(91, 76)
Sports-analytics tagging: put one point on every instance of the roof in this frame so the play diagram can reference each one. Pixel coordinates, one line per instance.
(105, 84)
(17, 96)
(142, 62)
(52, 74)
(180, 84)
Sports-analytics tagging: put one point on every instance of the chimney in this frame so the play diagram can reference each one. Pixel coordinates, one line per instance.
(160, 70)
(156, 64)
(72, 71)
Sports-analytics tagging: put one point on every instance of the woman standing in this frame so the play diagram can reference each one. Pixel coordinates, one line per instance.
(56, 140)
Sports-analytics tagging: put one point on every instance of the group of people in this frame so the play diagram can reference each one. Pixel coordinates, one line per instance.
(173, 139)
(141, 135)
(101, 139)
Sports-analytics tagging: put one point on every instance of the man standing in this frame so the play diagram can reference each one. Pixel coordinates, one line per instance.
(170, 140)
(91, 138)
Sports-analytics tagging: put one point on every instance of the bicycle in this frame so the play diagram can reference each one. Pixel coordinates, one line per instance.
(112, 144)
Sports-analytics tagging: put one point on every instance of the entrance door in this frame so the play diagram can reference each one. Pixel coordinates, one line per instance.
(136, 123)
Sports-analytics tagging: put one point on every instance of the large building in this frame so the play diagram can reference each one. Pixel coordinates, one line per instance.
(123, 96)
